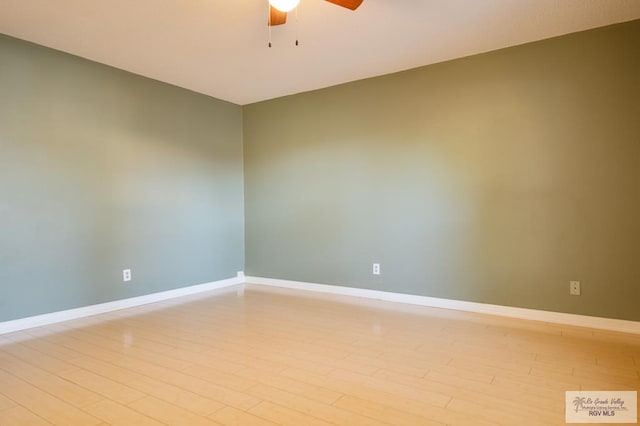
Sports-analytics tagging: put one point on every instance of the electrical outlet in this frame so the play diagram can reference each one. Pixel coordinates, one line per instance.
(574, 288)
(126, 275)
(376, 269)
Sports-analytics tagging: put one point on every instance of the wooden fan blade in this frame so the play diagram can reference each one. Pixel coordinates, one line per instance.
(276, 17)
(349, 4)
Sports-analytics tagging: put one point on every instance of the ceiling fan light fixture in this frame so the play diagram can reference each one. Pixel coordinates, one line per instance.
(284, 5)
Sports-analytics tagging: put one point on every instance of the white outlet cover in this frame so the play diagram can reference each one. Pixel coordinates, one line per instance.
(126, 275)
(376, 269)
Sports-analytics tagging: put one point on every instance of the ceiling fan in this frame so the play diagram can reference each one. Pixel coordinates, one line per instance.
(278, 9)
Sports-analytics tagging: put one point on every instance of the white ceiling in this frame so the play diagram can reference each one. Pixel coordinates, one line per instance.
(219, 47)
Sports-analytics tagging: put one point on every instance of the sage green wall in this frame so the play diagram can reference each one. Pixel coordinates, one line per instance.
(495, 178)
(102, 170)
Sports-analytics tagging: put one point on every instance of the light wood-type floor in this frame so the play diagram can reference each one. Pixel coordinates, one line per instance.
(260, 356)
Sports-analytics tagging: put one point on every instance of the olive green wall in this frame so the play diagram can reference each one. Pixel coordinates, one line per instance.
(495, 178)
(102, 170)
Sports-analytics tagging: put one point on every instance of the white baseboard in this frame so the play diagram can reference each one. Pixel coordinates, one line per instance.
(85, 311)
(483, 308)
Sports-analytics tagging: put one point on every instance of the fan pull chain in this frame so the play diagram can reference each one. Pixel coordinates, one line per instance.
(297, 25)
(269, 21)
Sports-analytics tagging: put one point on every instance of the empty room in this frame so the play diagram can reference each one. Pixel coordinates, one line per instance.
(319, 212)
